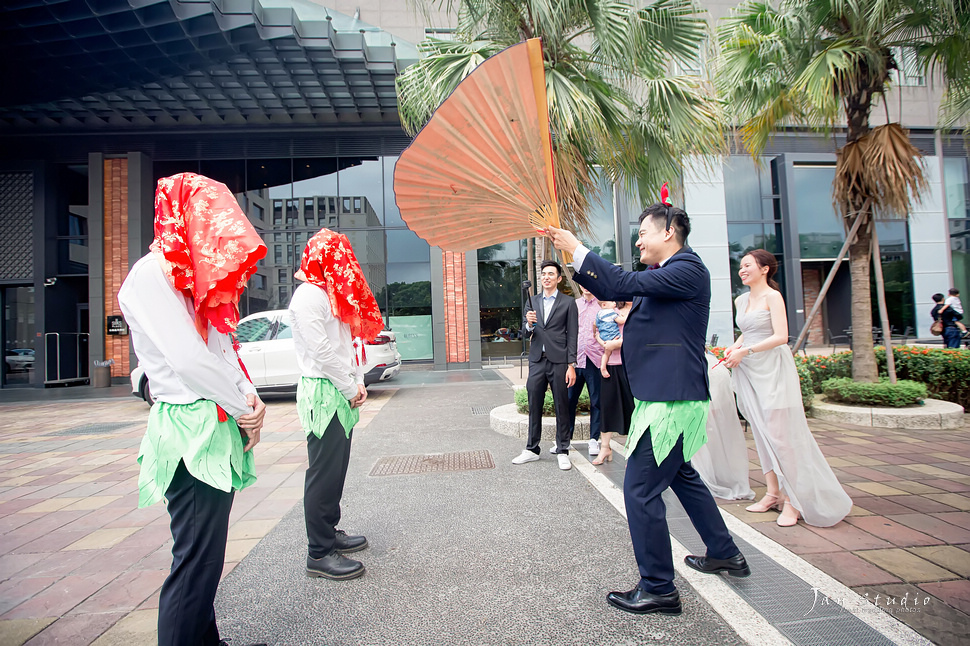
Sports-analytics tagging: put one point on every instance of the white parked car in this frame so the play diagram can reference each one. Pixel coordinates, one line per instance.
(266, 347)
(20, 359)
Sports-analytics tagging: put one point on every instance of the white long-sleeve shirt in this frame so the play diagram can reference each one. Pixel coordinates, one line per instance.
(324, 344)
(181, 367)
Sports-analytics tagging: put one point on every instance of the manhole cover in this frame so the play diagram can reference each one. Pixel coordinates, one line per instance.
(396, 465)
(93, 429)
(481, 410)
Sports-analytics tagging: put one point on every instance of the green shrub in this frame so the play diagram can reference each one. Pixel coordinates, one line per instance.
(522, 402)
(805, 381)
(944, 372)
(883, 393)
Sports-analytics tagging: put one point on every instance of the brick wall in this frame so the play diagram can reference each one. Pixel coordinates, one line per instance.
(456, 307)
(811, 285)
(115, 257)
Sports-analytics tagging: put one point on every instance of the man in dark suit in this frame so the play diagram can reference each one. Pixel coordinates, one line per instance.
(663, 352)
(552, 321)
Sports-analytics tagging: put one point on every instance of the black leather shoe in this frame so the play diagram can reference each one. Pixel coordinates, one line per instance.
(334, 566)
(735, 566)
(346, 544)
(639, 602)
(227, 642)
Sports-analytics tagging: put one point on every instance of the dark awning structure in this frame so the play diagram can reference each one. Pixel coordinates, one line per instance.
(136, 64)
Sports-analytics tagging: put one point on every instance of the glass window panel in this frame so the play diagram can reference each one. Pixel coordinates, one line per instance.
(408, 300)
(359, 183)
(956, 182)
(231, 172)
(506, 251)
(501, 300)
(19, 335)
(392, 215)
(742, 238)
(404, 245)
(272, 175)
(820, 230)
(960, 255)
(602, 237)
(368, 246)
(743, 195)
(169, 168)
(253, 330)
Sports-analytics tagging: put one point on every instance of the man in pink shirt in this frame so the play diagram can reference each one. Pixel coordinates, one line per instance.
(589, 354)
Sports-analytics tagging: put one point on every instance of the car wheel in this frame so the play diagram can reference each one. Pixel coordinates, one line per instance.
(146, 391)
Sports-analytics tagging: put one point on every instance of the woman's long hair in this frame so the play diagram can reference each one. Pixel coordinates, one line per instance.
(766, 259)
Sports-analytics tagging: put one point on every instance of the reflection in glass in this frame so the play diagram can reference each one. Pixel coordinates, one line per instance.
(820, 229)
(506, 251)
(408, 311)
(745, 186)
(960, 255)
(956, 183)
(403, 245)
(897, 272)
(19, 335)
(362, 200)
(602, 239)
(369, 248)
(501, 301)
(392, 214)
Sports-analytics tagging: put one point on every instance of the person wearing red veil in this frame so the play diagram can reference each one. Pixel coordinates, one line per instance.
(180, 302)
(333, 312)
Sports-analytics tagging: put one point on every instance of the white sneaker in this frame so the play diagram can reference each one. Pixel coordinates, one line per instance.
(594, 447)
(564, 462)
(553, 448)
(525, 456)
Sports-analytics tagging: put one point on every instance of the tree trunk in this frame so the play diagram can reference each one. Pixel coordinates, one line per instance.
(864, 367)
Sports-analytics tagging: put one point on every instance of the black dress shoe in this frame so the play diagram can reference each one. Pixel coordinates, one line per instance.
(346, 544)
(639, 602)
(334, 566)
(735, 566)
(227, 642)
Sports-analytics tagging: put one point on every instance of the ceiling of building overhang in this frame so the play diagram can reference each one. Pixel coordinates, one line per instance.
(70, 64)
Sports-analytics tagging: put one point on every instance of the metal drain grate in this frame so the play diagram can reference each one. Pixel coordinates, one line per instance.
(481, 410)
(93, 429)
(396, 465)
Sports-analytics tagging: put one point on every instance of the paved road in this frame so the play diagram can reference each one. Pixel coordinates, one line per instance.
(508, 555)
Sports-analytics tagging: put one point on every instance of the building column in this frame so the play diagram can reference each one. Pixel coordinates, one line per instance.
(456, 308)
(706, 206)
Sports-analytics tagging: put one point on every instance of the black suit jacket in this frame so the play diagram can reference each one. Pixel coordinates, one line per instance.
(558, 334)
(665, 332)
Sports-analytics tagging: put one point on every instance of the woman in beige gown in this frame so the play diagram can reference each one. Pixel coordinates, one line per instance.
(800, 481)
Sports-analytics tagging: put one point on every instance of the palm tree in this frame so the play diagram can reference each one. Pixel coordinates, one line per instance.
(823, 64)
(613, 102)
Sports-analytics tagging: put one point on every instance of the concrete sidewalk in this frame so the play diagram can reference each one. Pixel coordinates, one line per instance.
(500, 555)
(907, 537)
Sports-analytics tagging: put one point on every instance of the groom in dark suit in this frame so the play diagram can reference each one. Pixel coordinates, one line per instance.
(663, 353)
(553, 323)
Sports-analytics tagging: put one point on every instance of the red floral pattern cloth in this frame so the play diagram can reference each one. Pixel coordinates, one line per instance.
(329, 262)
(208, 247)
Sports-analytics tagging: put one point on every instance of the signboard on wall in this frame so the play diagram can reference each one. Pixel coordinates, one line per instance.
(413, 336)
(116, 325)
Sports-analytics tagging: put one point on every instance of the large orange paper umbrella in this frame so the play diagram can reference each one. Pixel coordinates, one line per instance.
(480, 172)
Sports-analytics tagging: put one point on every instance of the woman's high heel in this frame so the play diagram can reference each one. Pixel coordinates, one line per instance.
(787, 519)
(603, 457)
(769, 502)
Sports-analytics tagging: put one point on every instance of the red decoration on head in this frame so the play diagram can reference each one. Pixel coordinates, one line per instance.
(664, 194)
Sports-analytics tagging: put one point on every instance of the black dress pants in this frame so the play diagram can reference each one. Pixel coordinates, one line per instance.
(324, 486)
(542, 374)
(200, 528)
(643, 485)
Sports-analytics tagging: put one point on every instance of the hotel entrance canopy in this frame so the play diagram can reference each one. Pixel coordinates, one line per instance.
(70, 65)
